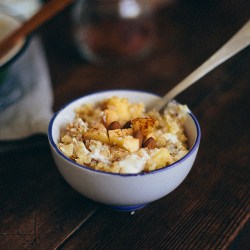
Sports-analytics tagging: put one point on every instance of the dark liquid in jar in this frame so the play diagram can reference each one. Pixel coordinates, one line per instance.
(112, 39)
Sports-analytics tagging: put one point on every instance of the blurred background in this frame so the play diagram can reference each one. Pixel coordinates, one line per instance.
(187, 33)
(177, 37)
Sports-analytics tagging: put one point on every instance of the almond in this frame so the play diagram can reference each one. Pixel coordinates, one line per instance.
(149, 143)
(114, 125)
(138, 134)
(127, 125)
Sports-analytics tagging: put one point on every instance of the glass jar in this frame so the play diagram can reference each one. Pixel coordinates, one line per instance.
(113, 31)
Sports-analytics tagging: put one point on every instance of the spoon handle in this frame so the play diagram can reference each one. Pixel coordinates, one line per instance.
(237, 43)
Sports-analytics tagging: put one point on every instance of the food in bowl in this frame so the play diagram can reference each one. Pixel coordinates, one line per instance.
(118, 136)
(123, 192)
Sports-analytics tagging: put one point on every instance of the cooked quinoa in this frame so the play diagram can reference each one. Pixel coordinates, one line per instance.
(118, 136)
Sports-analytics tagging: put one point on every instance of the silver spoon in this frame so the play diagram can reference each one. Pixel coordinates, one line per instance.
(237, 43)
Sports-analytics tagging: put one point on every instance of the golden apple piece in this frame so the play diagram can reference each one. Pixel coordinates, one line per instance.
(97, 134)
(145, 125)
(136, 110)
(120, 106)
(127, 131)
(123, 138)
(110, 116)
(161, 157)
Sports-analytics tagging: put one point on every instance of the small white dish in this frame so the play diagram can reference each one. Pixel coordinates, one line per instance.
(125, 192)
(7, 25)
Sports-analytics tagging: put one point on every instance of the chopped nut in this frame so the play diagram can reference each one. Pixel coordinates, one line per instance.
(127, 125)
(114, 125)
(149, 143)
(138, 134)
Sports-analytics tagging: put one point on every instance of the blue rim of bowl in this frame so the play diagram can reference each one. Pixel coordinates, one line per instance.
(19, 52)
(194, 147)
(126, 208)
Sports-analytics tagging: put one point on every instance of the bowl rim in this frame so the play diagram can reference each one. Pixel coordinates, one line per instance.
(26, 41)
(170, 166)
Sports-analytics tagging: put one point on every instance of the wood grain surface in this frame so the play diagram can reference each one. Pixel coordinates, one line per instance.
(209, 210)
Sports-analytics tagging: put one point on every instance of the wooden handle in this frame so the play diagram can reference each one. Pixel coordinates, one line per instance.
(237, 43)
(47, 11)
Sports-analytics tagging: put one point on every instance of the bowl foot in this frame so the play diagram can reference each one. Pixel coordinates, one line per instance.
(127, 208)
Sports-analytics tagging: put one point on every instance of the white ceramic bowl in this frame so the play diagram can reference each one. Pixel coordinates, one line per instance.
(121, 191)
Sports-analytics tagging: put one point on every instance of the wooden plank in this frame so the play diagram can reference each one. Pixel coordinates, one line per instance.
(209, 208)
(38, 209)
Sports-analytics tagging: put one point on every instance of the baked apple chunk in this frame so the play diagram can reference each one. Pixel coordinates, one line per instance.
(123, 138)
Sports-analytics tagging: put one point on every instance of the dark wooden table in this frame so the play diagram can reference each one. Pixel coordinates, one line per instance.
(209, 210)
